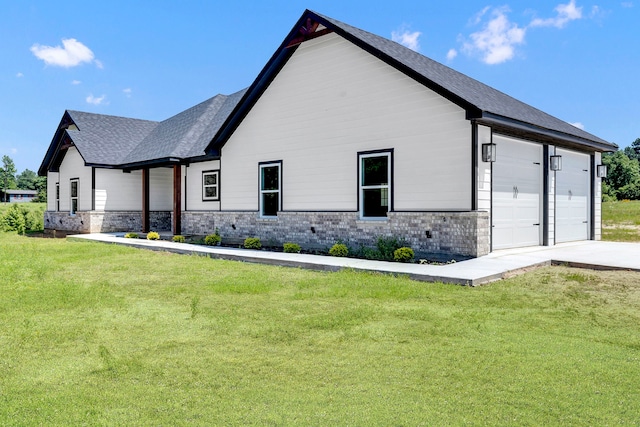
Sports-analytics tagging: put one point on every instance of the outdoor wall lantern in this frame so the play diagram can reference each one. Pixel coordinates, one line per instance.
(601, 171)
(555, 163)
(488, 152)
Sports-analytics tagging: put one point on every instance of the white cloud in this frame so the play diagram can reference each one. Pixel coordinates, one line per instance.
(19, 75)
(626, 4)
(565, 13)
(407, 38)
(127, 92)
(72, 53)
(498, 37)
(452, 54)
(75, 82)
(99, 64)
(578, 125)
(496, 41)
(14, 151)
(95, 101)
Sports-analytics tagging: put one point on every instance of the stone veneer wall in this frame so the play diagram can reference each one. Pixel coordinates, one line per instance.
(107, 222)
(444, 234)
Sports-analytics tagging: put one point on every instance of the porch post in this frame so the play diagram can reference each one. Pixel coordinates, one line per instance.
(176, 227)
(145, 200)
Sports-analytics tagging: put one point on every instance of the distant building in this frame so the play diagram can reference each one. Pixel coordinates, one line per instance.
(18, 196)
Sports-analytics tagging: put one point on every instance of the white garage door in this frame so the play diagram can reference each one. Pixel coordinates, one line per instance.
(516, 194)
(572, 197)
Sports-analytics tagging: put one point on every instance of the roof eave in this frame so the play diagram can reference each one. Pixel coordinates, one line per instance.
(529, 131)
(162, 162)
(55, 144)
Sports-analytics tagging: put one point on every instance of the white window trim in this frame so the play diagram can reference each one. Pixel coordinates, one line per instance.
(362, 188)
(77, 197)
(216, 185)
(261, 191)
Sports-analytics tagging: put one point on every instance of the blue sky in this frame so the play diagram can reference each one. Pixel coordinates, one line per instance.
(577, 60)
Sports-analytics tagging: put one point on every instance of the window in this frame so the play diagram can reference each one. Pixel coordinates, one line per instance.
(375, 184)
(74, 196)
(210, 185)
(270, 185)
(57, 196)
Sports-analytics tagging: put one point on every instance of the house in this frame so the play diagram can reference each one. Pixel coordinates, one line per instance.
(18, 196)
(344, 135)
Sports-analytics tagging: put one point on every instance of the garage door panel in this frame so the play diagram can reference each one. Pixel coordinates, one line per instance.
(573, 197)
(516, 194)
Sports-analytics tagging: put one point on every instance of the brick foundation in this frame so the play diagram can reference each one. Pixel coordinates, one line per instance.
(439, 234)
(106, 222)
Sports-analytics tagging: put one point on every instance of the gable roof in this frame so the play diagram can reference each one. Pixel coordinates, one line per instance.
(483, 104)
(121, 142)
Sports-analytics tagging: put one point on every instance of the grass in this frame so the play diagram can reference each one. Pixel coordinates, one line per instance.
(621, 221)
(96, 334)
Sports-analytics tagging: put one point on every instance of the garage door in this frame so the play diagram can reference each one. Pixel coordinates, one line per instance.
(516, 194)
(572, 197)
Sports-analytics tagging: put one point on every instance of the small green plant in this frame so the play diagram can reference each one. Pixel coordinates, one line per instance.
(153, 235)
(252, 243)
(131, 236)
(387, 246)
(195, 309)
(292, 248)
(403, 254)
(178, 239)
(339, 250)
(212, 240)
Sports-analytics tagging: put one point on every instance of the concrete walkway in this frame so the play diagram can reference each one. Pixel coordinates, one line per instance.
(497, 265)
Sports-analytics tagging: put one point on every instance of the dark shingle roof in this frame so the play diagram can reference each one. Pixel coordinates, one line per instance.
(186, 134)
(106, 140)
(113, 141)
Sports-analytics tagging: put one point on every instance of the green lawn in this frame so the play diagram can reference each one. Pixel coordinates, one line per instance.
(96, 334)
(621, 221)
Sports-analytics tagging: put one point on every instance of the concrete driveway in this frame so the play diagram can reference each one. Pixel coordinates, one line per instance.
(495, 266)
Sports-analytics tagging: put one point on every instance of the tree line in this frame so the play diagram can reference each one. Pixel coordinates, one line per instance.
(10, 179)
(623, 174)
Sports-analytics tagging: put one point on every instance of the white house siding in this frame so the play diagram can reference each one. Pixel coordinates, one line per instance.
(551, 213)
(118, 191)
(331, 101)
(160, 189)
(194, 186)
(52, 180)
(484, 171)
(597, 189)
(72, 166)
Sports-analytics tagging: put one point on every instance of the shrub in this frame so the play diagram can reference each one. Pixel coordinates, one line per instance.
(153, 235)
(14, 219)
(212, 239)
(387, 247)
(131, 236)
(252, 243)
(403, 254)
(292, 248)
(178, 239)
(34, 220)
(339, 250)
